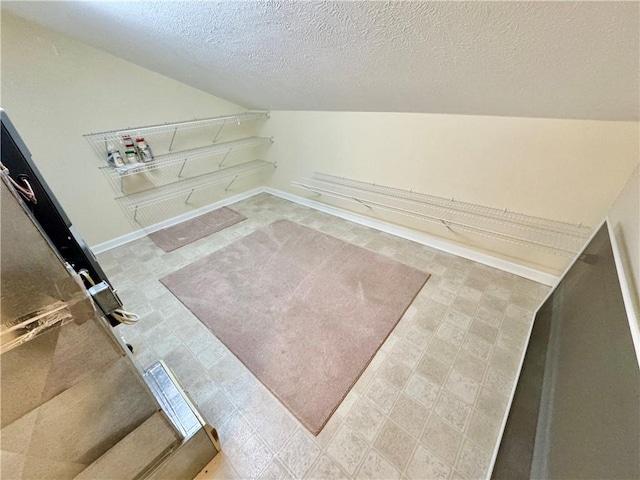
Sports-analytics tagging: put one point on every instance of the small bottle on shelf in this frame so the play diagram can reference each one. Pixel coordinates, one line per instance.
(132, 156)
(130, 150)
(144, 150)
(114, 158)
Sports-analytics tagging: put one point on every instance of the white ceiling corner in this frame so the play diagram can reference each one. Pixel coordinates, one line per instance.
(525, 59)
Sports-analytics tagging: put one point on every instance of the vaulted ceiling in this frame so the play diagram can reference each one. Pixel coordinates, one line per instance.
(528, 59)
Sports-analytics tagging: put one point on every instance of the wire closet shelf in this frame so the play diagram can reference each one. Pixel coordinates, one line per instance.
(188, 186)
(167, 132)
(553, 236)
(176, 162)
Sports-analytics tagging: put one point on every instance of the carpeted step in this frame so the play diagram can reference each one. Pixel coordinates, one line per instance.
(76, 427)
(136, 453)
(47, 365)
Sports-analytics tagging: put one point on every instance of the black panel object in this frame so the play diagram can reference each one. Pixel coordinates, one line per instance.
(47, 211)
(576, 409)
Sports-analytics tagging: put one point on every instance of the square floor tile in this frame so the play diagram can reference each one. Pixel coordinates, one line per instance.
(299, 453)
(250, 458)
(477, 347)
(382, 394)
(473, 462)
(395, 444)
(450, 334)
(433, 370)
(492, 404)
(455, 411)
(326, 469)
(442, 350)
(418, 336)
(276, 429)
(394, 373)
(274, 471)
(409, 414)
(406, 352)
(484, 330)
(470, 366)
(462, 386)
(504, 360)
(458, 319)
(442, 439)
(425, 465)
(375, 467)
(365, 418)
(347, 448)
(498, 382)
(483, 430)
(422, 390)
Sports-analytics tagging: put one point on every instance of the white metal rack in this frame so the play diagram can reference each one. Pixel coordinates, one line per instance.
(187, 158)
(163, 136)
(177, 161)
(554, 236)
(188, 186)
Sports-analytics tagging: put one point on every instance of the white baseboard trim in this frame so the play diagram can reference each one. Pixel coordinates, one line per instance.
(402, 232)
(143, 232)
(422, 238)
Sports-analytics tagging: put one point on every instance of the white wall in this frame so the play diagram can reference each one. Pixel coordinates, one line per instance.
(569, 170)
(56, 89)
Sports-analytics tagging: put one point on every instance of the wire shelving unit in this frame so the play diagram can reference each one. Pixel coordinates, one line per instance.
(557, 237)
(177, 163)
(188, 186)
(163, 136)
(188, 157)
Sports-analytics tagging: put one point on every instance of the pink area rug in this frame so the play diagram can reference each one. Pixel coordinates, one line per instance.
(304, 311)
(187, 232)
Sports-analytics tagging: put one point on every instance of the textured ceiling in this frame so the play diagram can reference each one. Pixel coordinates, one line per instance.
(531, 59)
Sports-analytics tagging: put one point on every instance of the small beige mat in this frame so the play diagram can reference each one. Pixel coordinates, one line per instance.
(187, 232)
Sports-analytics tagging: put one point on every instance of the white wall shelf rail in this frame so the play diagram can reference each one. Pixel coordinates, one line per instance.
(149, 166)
(188, 186)
(177, 163)
(163, 136)
(554, 236)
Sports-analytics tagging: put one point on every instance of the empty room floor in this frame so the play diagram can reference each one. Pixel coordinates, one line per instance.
(429, 405)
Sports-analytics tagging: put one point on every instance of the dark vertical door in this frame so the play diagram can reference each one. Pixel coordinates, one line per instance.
(576, 412)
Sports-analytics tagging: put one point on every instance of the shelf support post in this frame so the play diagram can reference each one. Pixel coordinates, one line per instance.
(225, 157)
(173, 137)
(362, 203)
(231, 183)
(182, 167)
(189, 196)
(218, 133)
(446, 225)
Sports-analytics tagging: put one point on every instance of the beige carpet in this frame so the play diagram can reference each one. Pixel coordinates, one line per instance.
(187, 232)
(304, 311)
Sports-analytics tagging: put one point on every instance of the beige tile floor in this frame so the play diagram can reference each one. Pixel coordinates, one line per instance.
(429, 405)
